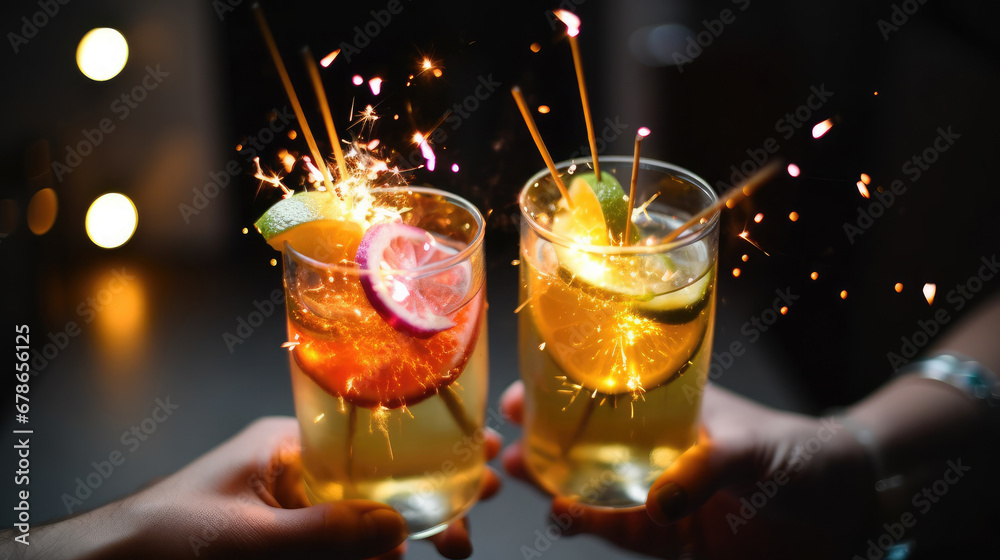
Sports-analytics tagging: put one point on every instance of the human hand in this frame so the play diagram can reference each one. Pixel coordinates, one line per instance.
(759, 483)
(244, 498)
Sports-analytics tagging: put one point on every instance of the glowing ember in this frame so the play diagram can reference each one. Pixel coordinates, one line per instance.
(793, 170)
(437, 72)
(373, 144)
(357, 80)
(745, 257)
(793, 216)
(328, 59)
(929, 291)
(535, 47)
(758, 218)
(376, 85)
(543, 109)
(843, 294)
(866, 179)
(239, 147)
(572, 22)
(736, 273)
(454, 168)
(292, 134)
(814, 276)
(784, 311)
(426, 151)
(643, 132)
(274, 262)
(898, 287)
(822, 128)
(245, 231)
(863, 190)
(876, 93)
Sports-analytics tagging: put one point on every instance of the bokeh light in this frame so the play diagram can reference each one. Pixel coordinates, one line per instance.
(42, 210)
(102, 54)
(111, 220)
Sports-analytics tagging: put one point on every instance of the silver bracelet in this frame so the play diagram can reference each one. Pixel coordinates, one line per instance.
(969, 376)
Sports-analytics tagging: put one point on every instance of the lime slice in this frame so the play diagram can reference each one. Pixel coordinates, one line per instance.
(679, 306)
(309, 222)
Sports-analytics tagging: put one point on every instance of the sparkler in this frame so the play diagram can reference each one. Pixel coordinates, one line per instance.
(729, 200)
(572, 30)
(287, 83)
(324, 107)
(643, 132)
(530, 121)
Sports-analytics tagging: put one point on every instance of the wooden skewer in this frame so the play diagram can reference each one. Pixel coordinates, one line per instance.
(643, 132)
(526, 113)
(352, 428)
(287, 82)
(585, 100)
(454, 404)
(728, 200)
(324, 107)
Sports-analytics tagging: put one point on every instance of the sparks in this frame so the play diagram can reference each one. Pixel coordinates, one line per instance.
(843, 294)
(426, 151)
(863, 190)
(898, 287)
(544, 109)
(245, 231)
(784, 311)
(571, 20)
(814, 276)
(535, 47)
(327, 60)
(793, 170)
(745, 258)
(290, 344)
(929, 291)
(454, 168)
(822, 128)
(758, 218)
(866, 179)
(426, 64)
(292, 135)
(274, 262)
(793, 216)
(745, 236)
(270, 180)
(357, 80)
(376, 85)
(736, 273)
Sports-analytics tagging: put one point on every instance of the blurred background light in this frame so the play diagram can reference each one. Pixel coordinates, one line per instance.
(42, 209)
(111, 220)
(102, 54)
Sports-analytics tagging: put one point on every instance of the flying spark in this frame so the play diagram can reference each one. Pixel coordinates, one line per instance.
(929, 291)
(822, 128)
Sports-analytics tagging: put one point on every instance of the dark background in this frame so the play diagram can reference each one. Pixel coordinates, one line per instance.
(195, 277)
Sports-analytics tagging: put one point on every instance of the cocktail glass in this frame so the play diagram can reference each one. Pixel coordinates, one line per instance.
(615, 338)
(386, 413)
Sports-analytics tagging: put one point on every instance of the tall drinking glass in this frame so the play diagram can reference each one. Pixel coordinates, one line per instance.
(615, 338)
(389, 413)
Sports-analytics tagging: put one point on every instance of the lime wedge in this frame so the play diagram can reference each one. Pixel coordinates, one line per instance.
(679, 306)
(311, 223)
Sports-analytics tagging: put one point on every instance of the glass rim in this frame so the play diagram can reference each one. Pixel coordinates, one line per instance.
(418, 272)
(683, 240)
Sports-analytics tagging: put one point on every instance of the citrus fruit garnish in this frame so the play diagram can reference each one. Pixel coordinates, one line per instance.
(308, 222)
(353, 353)
(598, 212)
(410, 300)
(612, 346)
